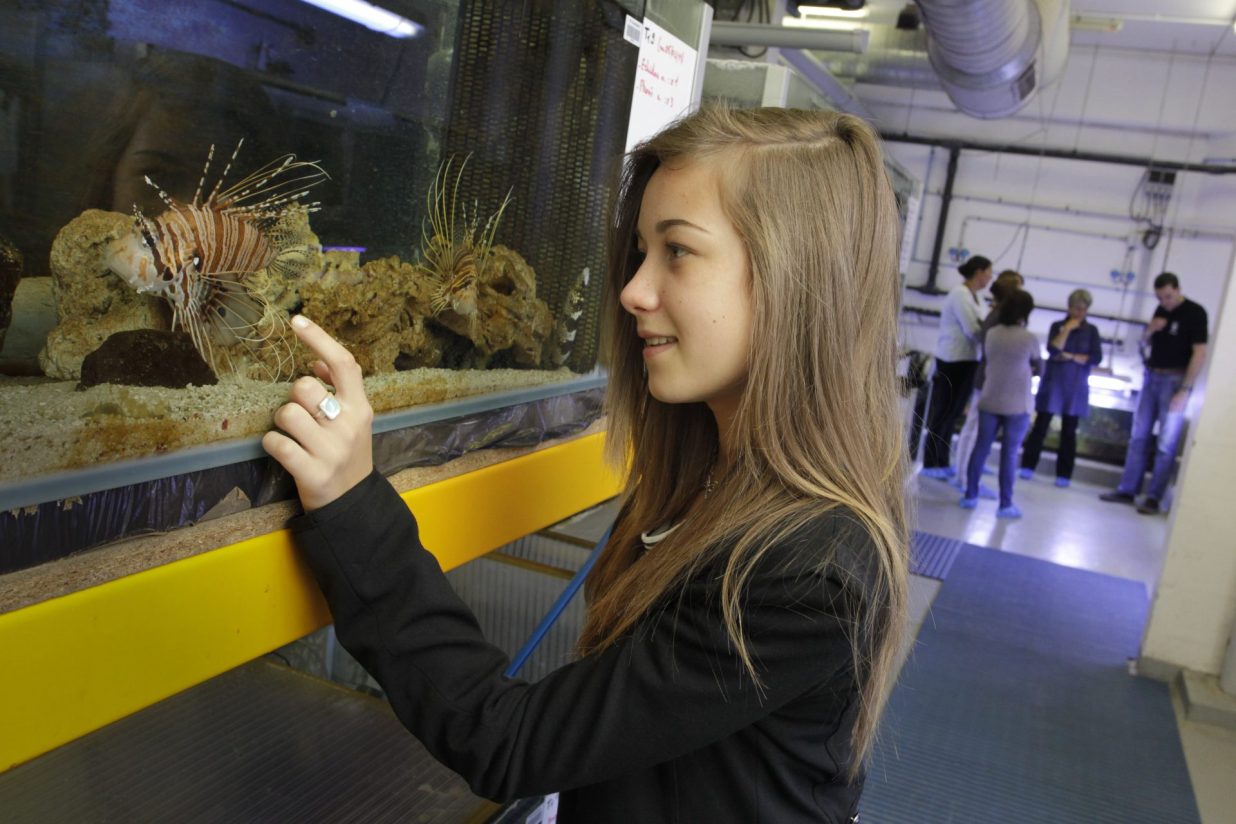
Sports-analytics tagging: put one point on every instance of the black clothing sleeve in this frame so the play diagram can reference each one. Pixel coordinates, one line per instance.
(664, 702)
(1198, 324)
(1096, 345)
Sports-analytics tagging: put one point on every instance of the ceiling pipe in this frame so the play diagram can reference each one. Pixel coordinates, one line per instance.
(990, 56)
(885, 67)
(993, 55)
(814, 73)
(785, 37)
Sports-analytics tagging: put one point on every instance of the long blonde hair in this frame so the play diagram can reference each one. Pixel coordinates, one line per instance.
(818, 425)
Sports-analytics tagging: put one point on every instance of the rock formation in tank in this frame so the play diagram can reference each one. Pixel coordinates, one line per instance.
(147, 357)
(92, 303)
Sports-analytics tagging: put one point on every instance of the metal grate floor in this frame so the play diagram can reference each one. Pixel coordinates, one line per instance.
(932, 556)
(261, 743)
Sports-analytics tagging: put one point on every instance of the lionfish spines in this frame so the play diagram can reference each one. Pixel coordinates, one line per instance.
(209, 257)
(455, 246)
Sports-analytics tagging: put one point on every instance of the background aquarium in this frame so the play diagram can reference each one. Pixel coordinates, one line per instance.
(456, 247)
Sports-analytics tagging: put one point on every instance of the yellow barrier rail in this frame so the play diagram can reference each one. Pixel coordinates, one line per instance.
(81, 661)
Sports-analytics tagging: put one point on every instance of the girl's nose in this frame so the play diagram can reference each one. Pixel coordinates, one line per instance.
(639, 296)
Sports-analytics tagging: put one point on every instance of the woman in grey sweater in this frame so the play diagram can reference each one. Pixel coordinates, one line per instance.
(1011, 353)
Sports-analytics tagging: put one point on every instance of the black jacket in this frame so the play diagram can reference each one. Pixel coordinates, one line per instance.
(664, 726)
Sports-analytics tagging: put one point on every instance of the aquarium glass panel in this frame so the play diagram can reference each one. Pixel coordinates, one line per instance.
(431, 184)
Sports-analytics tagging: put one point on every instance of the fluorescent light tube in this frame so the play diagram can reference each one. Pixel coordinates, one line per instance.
(819, 23)
(371, 17)
(1085, 22)
(831, 11)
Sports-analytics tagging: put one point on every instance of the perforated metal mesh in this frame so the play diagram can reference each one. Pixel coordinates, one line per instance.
(540, 97)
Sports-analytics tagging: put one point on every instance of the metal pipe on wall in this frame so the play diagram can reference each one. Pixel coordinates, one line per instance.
(1122, 239)
(941, 222)
(1191, 232)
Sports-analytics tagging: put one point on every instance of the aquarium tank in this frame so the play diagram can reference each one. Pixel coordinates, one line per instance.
(427, 179)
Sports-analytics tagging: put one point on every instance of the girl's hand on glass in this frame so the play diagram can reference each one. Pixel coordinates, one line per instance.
(326, 442)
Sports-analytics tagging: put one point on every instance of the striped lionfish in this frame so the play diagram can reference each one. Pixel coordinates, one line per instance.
(562, 341)
(454, 253)
(204, 257)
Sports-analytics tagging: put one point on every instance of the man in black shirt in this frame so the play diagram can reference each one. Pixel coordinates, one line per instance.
(1177, 338)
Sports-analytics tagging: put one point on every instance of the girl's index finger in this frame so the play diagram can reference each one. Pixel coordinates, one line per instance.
(345, 373)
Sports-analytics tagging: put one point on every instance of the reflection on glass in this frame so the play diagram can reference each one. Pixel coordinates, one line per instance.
(108, 113)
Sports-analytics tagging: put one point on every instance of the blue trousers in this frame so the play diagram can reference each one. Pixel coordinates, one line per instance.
(1015, 427)
(1153, 408)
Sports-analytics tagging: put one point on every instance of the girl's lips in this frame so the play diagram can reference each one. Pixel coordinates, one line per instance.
(655, 346)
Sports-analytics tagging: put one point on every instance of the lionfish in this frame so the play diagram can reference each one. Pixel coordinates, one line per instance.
(205, 257)
(454, 253)
(563, 339)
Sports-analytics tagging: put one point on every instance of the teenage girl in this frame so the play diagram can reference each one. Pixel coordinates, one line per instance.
(743, 622)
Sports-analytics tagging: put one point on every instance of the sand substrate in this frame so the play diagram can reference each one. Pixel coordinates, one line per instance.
(50, 426)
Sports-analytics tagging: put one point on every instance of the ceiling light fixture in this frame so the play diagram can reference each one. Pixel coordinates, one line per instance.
(1081, 22)
(371, 17)
(830, 11)
(827, 25)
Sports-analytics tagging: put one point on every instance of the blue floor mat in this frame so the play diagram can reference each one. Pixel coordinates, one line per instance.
(1017, 706)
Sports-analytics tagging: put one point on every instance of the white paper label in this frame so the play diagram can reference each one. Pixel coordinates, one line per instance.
(664, 78)
(547, 813)
(633, 31)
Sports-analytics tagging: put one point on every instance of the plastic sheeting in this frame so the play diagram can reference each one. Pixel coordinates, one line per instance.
(44, 532)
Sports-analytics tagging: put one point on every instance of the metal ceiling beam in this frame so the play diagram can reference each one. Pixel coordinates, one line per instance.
(1062, 154)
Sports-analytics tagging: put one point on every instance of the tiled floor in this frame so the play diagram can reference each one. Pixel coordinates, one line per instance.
(1074, 528)
(1071, 526)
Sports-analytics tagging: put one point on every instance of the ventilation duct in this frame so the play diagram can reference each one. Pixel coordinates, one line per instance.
(991, 56)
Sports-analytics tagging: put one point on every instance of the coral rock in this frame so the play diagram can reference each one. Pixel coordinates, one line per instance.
(368, 311)
(92, 303)
(10, 274)
(510, 322)
(147, 357)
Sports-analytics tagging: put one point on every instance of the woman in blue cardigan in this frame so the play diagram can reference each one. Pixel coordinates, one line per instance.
(1073, 347)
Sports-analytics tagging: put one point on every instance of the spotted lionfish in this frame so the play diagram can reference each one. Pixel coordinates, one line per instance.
(205, 257)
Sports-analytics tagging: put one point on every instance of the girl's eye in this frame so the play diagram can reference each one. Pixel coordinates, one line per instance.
(675, 251)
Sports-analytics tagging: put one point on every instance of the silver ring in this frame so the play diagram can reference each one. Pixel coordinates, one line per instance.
(329, 408)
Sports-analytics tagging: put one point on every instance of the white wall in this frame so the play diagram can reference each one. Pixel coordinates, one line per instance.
(1194, 607)
(1072, 231)
(1076, 215)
